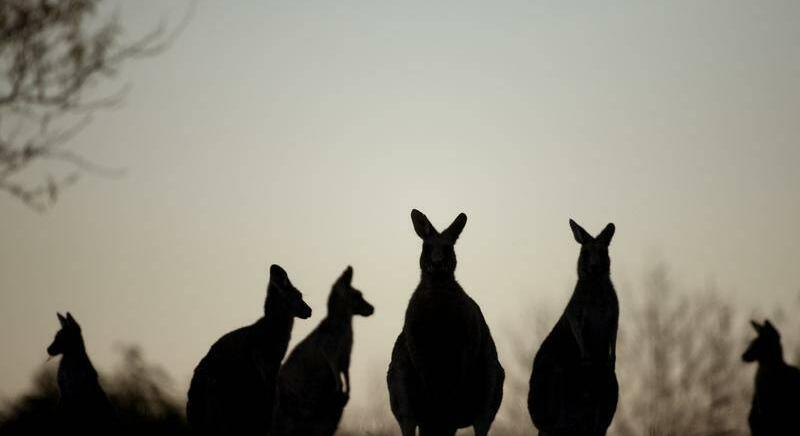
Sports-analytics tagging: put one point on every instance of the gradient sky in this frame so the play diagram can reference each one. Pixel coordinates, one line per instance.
(303, 133)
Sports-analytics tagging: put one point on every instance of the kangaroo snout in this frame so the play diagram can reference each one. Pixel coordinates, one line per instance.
(367, 310)
(303, 310)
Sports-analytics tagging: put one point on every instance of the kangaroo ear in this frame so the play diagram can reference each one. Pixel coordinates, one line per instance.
(756, 326)
(606, 235)
(582, 236)
(422, 226)
(347, 276)
(276, 270)
(61, 320)
(278, 276)
(72, 321)
(768, 325)
(456, 228)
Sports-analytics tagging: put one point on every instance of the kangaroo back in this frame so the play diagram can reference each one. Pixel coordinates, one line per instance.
(233, 387)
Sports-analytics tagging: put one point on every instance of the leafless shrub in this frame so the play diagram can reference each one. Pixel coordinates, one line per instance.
(679, 366)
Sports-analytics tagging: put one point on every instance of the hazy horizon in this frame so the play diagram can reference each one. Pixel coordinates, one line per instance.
(304, 134)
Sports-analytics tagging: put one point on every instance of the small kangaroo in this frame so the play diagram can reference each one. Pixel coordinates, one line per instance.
(444, 373)
(776, 400)
(233, 388)
(573, 386)
(314, 383)
(84, 405)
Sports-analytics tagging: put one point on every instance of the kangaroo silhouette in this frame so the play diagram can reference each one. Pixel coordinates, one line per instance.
(776, 400)
(84, 406)
(233, 388)
(573, 387)
(314, 383)
(444, 373)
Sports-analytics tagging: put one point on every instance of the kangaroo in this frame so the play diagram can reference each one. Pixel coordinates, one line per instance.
(776, 400)
(314, 383)
(233, 388)
(84, 405)
(573, 387)
(444, 373)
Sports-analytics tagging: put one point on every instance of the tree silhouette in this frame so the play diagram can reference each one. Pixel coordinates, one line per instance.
(53, 53)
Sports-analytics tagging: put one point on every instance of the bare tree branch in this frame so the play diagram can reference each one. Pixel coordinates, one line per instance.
(53, 53)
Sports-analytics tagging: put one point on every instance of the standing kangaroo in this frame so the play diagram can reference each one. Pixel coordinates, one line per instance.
(314, 383)
(84, 405)
(233, 387)
(444, 374)
(573, 387)
(776, 400)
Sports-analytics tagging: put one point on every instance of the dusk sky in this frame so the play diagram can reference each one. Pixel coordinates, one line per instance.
(303, 133)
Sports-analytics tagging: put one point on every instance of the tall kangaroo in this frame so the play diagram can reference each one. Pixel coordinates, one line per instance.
(444, 374)
(84, 405)
(314, 383)
(776, 400)
(573, 387)
(233, 387)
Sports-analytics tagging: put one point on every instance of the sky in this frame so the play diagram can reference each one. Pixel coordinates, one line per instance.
(303, 133)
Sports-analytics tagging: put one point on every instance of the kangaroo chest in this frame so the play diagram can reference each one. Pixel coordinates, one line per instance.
(596, 316)
(442, 326)
(775, 387)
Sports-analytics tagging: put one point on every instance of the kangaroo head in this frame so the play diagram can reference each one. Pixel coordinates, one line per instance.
(593, 260)
(292, 297)
(766, 346)
(438, 256)
(344, 297)
(68, 338)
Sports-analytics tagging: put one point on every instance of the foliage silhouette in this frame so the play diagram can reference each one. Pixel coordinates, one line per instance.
(140, 394)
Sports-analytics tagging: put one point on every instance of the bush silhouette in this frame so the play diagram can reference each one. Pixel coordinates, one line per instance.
(139, 392)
